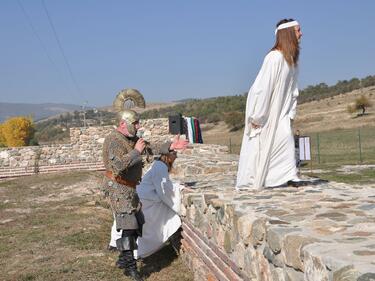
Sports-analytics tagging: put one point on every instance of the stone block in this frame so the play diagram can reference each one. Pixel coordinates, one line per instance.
(275, 236)
(275, 260)
(346, 273)
(292, 247)
(220, 214)
(278, 274)
(367, 277)
(251, 229)
(217, 203)
(314, 268)
(238, 255)
(294, 275)
(256, 265)
(228, 242)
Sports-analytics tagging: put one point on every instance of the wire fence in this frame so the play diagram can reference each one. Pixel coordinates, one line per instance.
(344, 146)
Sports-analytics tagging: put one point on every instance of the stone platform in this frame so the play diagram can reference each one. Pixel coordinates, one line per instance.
(318, 232)
(321, 231)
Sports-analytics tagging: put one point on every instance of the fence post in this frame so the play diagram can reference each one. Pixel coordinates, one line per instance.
(230, 145)
(318, 146)
(360, 145)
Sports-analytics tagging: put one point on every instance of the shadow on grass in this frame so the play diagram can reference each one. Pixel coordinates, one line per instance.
(361, 115)
(157, 261)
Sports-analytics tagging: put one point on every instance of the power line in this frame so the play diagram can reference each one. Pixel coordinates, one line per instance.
(29, 21)
(61, 49)
(35, 33)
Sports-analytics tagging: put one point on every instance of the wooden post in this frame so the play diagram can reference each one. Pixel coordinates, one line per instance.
(318, 146)
(359, 145)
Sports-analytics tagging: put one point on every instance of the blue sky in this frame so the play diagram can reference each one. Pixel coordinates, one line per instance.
(171, 50)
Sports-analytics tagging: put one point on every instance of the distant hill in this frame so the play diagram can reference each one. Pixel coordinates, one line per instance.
(231, 109)
(37, 111)
(331, 113)
(56, 128)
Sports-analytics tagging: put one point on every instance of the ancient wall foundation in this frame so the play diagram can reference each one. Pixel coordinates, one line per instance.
(319, 232)
(83, 152)
(324, 231)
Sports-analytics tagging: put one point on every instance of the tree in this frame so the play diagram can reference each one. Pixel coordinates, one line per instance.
(360, 103)
(235, 120)
(2, 139)
(17, 131)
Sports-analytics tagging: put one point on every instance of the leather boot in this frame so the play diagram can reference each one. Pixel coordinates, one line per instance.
(121, 260)
(131, 266)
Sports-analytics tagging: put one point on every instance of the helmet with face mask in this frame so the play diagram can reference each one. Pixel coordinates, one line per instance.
(125, 100)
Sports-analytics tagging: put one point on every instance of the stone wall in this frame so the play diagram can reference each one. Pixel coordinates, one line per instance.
(83, 152)
(319, 232)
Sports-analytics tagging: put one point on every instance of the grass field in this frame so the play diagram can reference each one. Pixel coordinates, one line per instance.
(56, 227)
(341, 146)
(350, 146)
(329, 150)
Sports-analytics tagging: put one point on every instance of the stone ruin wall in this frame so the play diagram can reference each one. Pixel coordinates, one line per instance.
(83, 152)
(323, 232)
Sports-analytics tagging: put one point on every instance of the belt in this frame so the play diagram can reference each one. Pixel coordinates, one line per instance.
(121, 180)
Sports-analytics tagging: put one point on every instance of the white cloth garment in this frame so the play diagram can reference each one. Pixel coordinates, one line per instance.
(267, 155)
(190, 129)
(161, 201)
(114, 234)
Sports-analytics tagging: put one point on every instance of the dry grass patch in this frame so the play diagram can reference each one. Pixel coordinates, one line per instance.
(56, 227)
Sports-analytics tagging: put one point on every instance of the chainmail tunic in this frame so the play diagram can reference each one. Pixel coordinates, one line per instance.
(122, 160)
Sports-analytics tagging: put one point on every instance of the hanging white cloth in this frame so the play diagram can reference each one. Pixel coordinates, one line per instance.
(161, 201)
(267, 153)
(114, 234)
(190, 130)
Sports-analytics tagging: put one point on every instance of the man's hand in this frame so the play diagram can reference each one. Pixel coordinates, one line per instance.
(179, 143)
(140, 145)
(254, 126)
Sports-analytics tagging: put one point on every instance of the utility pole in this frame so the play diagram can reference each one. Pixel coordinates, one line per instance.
(84, 113)
(96, 111)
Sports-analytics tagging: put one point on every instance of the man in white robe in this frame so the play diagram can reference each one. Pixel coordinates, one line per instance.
(267, 156)
(161, 201)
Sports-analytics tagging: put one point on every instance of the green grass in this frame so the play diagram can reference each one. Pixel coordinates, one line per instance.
(363, 176)
(336, 148)
(343, 146)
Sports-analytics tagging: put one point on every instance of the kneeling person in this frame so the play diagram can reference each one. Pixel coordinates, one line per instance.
(161, 202)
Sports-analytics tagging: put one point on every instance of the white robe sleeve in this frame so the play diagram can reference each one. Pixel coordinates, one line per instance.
(293, 110)
(263, 88)
(168, 192)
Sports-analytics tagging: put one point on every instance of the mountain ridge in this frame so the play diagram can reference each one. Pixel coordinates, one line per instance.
(36, 111)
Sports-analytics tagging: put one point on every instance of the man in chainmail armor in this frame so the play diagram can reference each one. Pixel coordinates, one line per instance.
(122, 159)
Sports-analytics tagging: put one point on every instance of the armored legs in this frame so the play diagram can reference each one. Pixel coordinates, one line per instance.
(126, 246)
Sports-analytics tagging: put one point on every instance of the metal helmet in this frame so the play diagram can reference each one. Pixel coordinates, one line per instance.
(125, 100)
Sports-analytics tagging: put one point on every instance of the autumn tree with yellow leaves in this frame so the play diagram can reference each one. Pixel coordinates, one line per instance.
(16, 131)
(2, 139)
